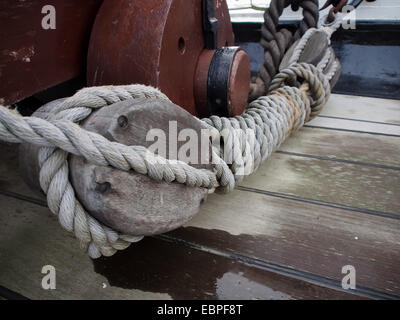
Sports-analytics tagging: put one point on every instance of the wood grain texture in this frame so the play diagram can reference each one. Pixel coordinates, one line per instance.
(363, 108)
(108, 193)
(344, 183)
(330, 199)
(352, 125)
(33, 58)
(352, 113)
(350, 146)
(303, 236)
(31, 238)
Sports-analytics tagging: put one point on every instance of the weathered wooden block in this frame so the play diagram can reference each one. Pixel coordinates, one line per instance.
(129, 202)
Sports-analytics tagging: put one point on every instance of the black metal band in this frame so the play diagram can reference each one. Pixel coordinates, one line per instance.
(218, 80)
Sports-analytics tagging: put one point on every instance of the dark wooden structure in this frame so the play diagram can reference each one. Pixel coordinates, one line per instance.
(328, 198)
(33, 59)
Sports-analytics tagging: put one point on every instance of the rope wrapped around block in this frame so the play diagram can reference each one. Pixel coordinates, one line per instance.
(270, 118)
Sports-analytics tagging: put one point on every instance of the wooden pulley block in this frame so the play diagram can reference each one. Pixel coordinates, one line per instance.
(183, 47)
(312, 53)
(126, 201)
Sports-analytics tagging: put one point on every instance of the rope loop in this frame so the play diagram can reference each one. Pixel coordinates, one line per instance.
(276, 41)
(318, 86)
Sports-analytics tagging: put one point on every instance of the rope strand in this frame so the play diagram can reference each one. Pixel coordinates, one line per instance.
(248, 140)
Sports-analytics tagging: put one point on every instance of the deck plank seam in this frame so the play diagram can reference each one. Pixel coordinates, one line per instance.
(289, 272)
(334, 159)
(388, 215)
(18, 196)
(10, 294)
(372, 95)
(283, 270)
(359, 120)
(349, 130)
(320, 202)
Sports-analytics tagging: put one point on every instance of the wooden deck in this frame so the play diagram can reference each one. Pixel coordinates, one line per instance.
(329, 197)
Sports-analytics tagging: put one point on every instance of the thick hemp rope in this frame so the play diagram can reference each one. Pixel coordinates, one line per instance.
(58, 136)
(275, 42)
(271, 119)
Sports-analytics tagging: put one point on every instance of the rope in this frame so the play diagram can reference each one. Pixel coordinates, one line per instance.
(247, 139)
(269, 120)
(323, 66)
(276, 42)
(58, 135)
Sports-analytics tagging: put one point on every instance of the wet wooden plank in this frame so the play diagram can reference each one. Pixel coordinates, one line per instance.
(30, 238)
(360, 186)
(350, 146)
(349, 184)
(363, 108)
(308, 237)
(10, 178)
